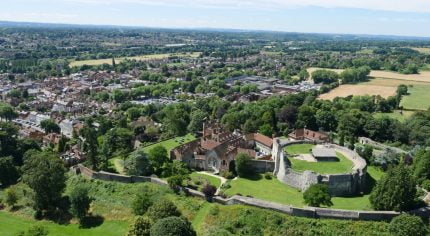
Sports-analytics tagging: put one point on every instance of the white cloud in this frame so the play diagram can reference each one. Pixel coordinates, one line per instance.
(387, 5)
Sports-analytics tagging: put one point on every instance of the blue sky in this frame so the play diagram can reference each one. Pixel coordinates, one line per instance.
(382, 17)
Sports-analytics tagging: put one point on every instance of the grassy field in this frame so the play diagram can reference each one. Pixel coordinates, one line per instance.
(172, 143)
(422, 50)
(11, 224)
(270, 190)
(342, 166)
(96, 62)
(402, 117)
(418, 98)
(205, 178)
(299, 149)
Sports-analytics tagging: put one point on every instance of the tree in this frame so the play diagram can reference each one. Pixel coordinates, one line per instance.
(421, 165)
(317, 195)
(209, 191)
(142, 202)
(80, 202)
(8, 172)
(196, 121)
(138, 164)
(50, 126)
(405, 225)
(90, 145)
(44, 173)
(325, 76)
(176, 182)
(266, 130)
(161, 209)
(140, 227)
(395, 191)
(306, 118)
(243, 165)
(11, 197)
(157, 157)
(172, 226)
(7, 112)
(133, 113)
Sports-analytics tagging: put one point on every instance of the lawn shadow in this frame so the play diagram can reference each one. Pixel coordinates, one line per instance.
(370, 184)
(254, 177)
(92, 221)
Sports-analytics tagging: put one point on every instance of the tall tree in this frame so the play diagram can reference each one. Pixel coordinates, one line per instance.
(89, 134)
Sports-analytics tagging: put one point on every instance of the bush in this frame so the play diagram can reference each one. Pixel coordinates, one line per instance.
(35, 230)
(176, 182)
(80, 202)
(243, 165)
(141, 203)
(316, 195)
(426, 185)
(227, 174)
(268, 175)
(172, 226)
(162, 209)
(405, 225)
(140, 227)
(209, 191)
(11, 197)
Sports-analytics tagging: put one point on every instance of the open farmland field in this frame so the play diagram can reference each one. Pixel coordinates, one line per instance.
(138, 58)
(422, 50)
(367, 88)
(401, 116)
(418, 98)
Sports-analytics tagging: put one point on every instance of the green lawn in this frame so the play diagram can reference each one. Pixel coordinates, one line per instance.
(375, 172)
(297, 149)
(419, 98)
(342, 166)
(270, 190)
(396, 115)
(206, 178)
(11, 224)
(172, 143)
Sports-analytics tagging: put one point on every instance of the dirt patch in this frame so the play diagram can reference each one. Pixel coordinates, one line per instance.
(359, 90)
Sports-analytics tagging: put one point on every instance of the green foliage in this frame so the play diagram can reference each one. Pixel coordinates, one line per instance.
(175, 168)
(50, 126)
(355, 75)
(176, 182)
(395, 191)
(266, 129)
(44, 173)
(158, 156)
(317, 195)
(142, 202)
(7, 112)
(426, 184)
(140, 227)
(161, 209)
(243, 165)
(11, 197)
(138, 164)
(268, 175)
(90, 146)
(80, 201)
(8, 172)
(36, 230)
(227, 174)
(405, 225)
(172, 226)
(422, 165)
(209, 191)
(325, 76)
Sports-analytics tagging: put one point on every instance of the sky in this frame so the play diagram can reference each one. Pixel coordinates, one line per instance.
(378, 17)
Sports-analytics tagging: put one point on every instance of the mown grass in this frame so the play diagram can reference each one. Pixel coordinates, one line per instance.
(205, 179)
(344, 165)
(298, 149)
(418, 98)
(96, 62)
(172, 143)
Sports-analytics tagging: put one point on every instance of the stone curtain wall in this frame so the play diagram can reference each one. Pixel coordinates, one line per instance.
(310, 212)
(345, 184)
(263, 166)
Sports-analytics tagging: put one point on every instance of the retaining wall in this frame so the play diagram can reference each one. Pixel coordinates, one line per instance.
(310, 212)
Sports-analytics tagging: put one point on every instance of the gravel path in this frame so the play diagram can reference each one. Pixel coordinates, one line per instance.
(223, 180)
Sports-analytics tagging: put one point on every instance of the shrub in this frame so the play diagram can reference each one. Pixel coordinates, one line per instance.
(405, 225)
(316, 195)
(141, 203)
(243, 165)
(140, 227)
(209, 191)
(268, 175)
(162, 209)
(11, 197)
(36, 230)
(172, 226)
(227, 174)
(80, 202)
(176, 182)
(426, 184)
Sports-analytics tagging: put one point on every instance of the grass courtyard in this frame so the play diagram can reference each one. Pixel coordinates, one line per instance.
(401, 116)
(205, 179)
(172, 143)
(342, 166)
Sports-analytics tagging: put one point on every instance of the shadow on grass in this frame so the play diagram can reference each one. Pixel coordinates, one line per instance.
(253, 177)
(92, 221)
(370, 184)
